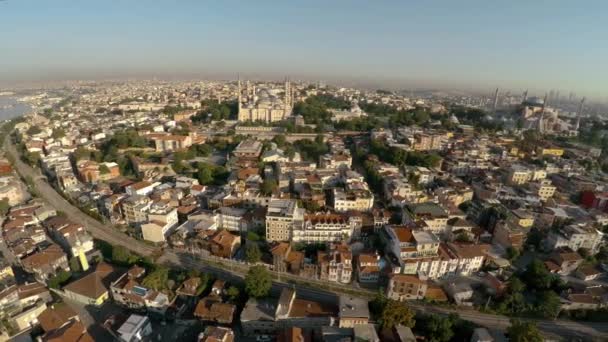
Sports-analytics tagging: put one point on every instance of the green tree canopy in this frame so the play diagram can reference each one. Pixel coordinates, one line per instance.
(252, 252)
(122, 256)
(58, 133)
(524, 331)
(537, 276)
(268, 186)
(4, 206)
(33, 130)
(157, 279)
(75, 264)
(548, 304)
(394, 313)
(258, 282)
(233, 293)
(438, 328)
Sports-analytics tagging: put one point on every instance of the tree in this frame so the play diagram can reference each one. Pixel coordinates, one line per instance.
(103, 169)
(258, 282)
(33, 130)
(537, 275)
(157, 279)
(122, 256)
(233, 293)
(548, 304)
(252, 252)
(438, 328)
(516, 285)
(512, 253)
(395, 313)
(205, 173)
(521, 331)
(4, 206)
(253, 236)
(59, 279)
(58, 133)
(279, 140)
(268, 187)
(75, 264)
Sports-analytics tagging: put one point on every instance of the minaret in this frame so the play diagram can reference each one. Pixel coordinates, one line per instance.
(579, 114)
(525, 96)
(541, 121)
(238, 91)
(495, 100)
(287, 94)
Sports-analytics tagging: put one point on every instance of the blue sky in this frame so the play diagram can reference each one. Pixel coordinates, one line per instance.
(472, 44)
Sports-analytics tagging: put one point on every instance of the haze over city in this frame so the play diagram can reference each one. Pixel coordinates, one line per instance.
(479, 45)
(282, 171)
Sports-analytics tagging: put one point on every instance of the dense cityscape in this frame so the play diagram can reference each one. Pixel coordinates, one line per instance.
(271, 171)
(249, 210)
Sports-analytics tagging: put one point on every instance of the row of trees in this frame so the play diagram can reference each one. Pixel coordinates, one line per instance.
(390, 313)
(398, 117)
(476, 117)
(399, 157)
(315, 109)
(213, 110)
(532, 292)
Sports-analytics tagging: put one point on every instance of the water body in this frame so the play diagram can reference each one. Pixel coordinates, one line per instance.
(10, 108)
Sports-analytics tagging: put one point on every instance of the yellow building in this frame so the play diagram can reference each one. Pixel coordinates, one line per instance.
(6, 271)
(545, 189)
(519, 176)
(91, 289)
(550, 151)
(521, 218)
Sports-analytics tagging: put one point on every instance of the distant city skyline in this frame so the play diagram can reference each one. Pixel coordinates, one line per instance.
(475, 45)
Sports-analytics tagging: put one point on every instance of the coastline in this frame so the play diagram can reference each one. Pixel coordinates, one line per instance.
(11, 108)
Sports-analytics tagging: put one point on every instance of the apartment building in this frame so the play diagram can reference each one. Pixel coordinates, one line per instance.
(281, 218)
(368, 268)
(336, 264)
(324, 227)
(135, 209)
(435, 218)
(355, 197)
(575, 237)
(160, 222)
(403, 287)
(46, 263)
(128, 291)
(170, 142)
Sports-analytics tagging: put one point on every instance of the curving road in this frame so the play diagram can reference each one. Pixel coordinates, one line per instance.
(96, 228)
(577, 330)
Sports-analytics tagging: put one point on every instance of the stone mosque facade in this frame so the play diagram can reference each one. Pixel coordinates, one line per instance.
(264, 104)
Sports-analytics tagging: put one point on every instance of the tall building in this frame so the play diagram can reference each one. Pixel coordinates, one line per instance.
(264, 104)
(281, 218)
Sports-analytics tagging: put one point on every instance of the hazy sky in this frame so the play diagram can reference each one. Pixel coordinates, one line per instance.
(475, 44)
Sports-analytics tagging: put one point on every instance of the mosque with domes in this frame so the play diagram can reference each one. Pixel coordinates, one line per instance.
(264, 103)
(537, 115)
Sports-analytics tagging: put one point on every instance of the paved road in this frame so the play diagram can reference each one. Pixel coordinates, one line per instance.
(113, 236)
(585, 331)
(97, 229)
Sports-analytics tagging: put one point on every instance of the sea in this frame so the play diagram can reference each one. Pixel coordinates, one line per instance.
(11, 108)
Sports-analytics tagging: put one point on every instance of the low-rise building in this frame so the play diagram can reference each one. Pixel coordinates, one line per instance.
(336, 264)
(45, 264)
(352, 311)
(406, 287)
(264, 316)
(93, 288)
(324, 227)
(281, 217)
